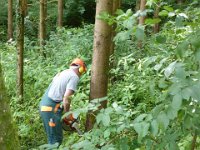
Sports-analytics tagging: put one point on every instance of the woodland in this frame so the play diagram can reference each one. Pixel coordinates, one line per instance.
(141, 88)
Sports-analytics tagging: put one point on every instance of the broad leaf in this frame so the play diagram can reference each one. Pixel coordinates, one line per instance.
(171, 112)
(169, 70)
(177, 101)
(160, 39)
(106, 120)
(154, 127)
(139, 33)
(163, 120)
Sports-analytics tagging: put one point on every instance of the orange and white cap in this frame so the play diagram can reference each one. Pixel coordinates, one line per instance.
(79, 62)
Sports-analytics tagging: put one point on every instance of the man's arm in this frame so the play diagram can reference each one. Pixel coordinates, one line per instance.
(66, 99)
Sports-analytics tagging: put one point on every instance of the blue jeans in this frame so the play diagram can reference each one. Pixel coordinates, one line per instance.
(51, 114)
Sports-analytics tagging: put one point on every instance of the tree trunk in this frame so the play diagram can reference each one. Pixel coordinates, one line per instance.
(20, 46)
(180, 2)
(141, 18)
(116, 5)
(8, 136)
(100, 61)
(156, 27)
(60, 13)
(142, 8)
(10, 20)
(42, 26)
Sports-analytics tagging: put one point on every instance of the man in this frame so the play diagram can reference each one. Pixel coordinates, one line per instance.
(64, 85)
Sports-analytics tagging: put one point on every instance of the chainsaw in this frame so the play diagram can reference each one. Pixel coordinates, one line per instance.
(71, 123)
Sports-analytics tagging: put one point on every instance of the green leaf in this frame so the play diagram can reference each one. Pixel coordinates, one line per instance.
(122, 36)
(181, 48)
(197, 55)
(163, 13)
(174, 89)
(82, 144)
(150, 2)
(140, 118)
(186, 93)
(179, 21)
(195, 92)
(99, 118)
(171, 14)
(141, 129)
(154, 127)
(129, 23)
(183, 15)
(162, 83)
(163, 120)
(161, 39)
(171, 113)
(168, 8)
(152, 21)
(106, 120)
(139, 33)
(106, 133)
(169, 70)
(180, 72)
(177, 101)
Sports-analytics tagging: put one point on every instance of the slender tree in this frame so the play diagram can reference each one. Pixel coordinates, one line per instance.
(142, 8)
(180, 2)
(156, 27)
(10, 19)
(100, 61)
(20, 45)
(141, 18)
(60, 13)
(42, 26)
(8, 136)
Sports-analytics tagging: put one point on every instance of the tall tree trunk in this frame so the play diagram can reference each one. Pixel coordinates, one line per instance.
(100, 61)
(20, 45)
(10, 19)
(42, 26)
(8, 136)
(116, 5)
(142, 8)
(180, 2)
(60, 13)
(141, 18)
(156, 27)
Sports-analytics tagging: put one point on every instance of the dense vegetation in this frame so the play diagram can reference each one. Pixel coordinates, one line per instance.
(153, 92)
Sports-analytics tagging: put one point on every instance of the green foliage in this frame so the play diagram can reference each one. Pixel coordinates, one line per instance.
(62, 47)
(154, 98)
(153, 92)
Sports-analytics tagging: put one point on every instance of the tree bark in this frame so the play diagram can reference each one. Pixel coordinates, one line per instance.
(8, 136)
(156, 27)
(10, 19)
(194, 140)
(100, 61)
(141, 18)
(42, 26)
(20, 46)
(180, 2)
(60, 13)
(142, 8)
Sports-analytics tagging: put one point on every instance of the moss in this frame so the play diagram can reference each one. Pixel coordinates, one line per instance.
(8, 136)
